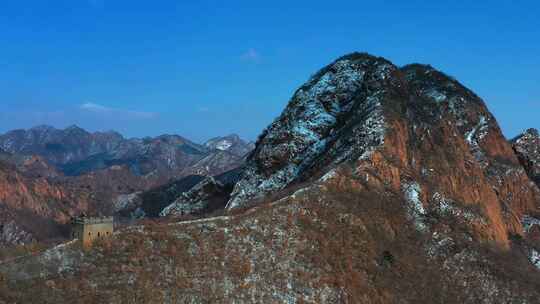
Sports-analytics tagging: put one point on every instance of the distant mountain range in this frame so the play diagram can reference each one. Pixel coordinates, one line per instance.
(48, 175)
(75, 151)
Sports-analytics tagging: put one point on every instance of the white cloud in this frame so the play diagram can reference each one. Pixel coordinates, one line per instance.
(101, 109)
(90, 106)
(252, 55)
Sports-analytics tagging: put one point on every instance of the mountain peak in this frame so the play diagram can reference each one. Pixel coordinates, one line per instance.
(336, 116)
(74, 128)
(394, 126)
(231, 143)
(43, 128)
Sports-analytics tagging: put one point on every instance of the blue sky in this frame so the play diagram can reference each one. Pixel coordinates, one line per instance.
(205, 68)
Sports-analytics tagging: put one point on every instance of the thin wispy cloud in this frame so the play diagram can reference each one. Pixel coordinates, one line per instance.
(252, 55)
(105, 110)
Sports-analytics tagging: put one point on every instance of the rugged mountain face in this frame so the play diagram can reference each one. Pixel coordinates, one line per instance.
(191, 195)
(377, 184)
(30, 165)
(198, 199)
(153, 201)
(412, 130)
(527, 147)
(209, 195)
(34, 208)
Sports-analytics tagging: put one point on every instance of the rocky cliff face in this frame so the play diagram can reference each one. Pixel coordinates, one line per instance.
(191, 195)
(207, 196)
(34, 208)
(527, 147)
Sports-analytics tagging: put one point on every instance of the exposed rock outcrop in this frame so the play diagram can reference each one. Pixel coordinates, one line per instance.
(34, 208)
(206, 196)
(181, 197)
(527, 147)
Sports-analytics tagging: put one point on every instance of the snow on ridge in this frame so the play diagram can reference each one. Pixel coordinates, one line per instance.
(224, 145)
(309, 124)
(473, 136)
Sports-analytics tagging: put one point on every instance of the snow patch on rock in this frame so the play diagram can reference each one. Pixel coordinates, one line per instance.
(126, 201)
(529, 222)
(534, 257)
(223, 145)
(439, 242)
(12, 234)
(436, 95)
(416, 211)
(447, 207)
(478, 132)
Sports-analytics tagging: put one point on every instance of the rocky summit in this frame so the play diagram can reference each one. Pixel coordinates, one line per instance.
(376, 184)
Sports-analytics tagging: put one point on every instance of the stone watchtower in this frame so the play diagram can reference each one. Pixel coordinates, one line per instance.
(88, 229)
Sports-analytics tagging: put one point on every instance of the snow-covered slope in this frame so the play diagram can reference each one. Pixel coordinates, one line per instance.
(394, 127)
(336, 116)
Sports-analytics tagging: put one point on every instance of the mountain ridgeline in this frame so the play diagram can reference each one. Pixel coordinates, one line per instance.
(75, 151)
